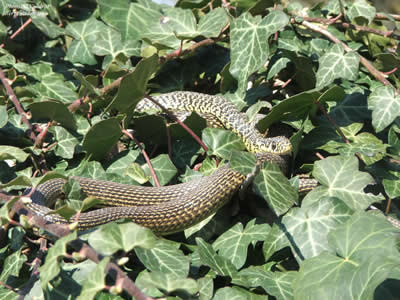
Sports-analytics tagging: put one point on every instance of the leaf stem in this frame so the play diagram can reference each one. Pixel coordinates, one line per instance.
(146, 157)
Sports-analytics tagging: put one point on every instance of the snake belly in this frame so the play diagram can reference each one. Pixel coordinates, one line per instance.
(172, 208)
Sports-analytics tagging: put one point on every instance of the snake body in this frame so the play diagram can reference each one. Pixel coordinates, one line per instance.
(171, 208)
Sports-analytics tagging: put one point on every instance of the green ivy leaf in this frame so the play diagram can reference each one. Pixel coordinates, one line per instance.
(12, 265)
(370, 148)
(164, 257)
(340, 178)
(169, 282)
(101, 137)
(209, 257)
(249, 43)
(85, 34)
(112, 237)
(133, 86)
(53, 111)
(67, 143)
(46, 26)
(241, 161)
(335, 64)
(221, 142)
(308, 226)
(233, 244)
(278, 284)
(95, 282)
(10, 152)
(164, 168)
(385, 106)
(3, 116)
(51, 267)
(211, 24)
(275, 188)
(361, 8)
(363, 251)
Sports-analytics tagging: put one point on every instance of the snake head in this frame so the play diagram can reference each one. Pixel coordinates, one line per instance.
(277, 145)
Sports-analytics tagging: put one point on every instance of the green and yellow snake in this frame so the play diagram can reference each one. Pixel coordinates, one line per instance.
(172, 208)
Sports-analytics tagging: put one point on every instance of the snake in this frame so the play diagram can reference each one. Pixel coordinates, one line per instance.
(167, 209)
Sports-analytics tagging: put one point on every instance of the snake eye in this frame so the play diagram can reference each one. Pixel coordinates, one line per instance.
(273, 146)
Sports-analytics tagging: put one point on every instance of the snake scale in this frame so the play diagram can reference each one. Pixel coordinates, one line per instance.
(172, 208)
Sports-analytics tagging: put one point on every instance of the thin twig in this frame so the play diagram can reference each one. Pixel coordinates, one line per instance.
(353, 26)
(377, 74)
(19, 30)
(60, 230)
(35, 270)
(387, 210)
(339, 131)
(173, 117)
(381, 16)
(146, 157)
(17, 105)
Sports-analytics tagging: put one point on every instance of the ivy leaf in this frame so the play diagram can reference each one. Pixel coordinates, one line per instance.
(385, 106)
(46, 26)
(241, 161)
(133, 86)
(164, 168)
(109, 43)
(233, 243)
(363, 251)
(3, 116)
(182, 22)
(164, 257)
(120, 14)
(335, 64)
(361, 8)
(66, 142)
(275, 188)
(103, 135)
(206, 287)
(219, 264)
(51, 267)
(169, 282)
(278, 66)
(341, 178)
(12, 265)
(308, 226)
(278, 284)
(54, 89)
(211, 24)
(10, 152)
(221, 142)
(249, 43)
(112, 237)
(370, 148)
(85, 34)
(95, 282)
(53, 111)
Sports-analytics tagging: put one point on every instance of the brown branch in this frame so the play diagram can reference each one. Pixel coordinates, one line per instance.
(7, 286)
(17, 105)
(353, 26)
(146, 157)
(115, 84)
(60, 230)
(377, 74)
(35, 270)
(192, 48)
(19, 30)
(173, 117)
(381, 16)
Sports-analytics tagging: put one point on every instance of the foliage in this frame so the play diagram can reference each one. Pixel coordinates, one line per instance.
(79, 69)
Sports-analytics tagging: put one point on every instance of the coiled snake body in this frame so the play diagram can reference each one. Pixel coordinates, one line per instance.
(171, 208)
